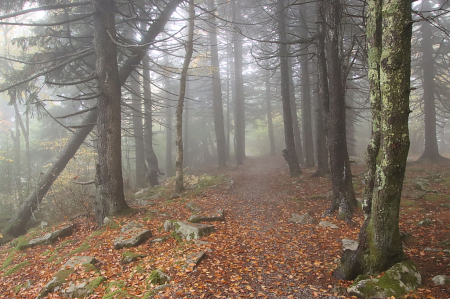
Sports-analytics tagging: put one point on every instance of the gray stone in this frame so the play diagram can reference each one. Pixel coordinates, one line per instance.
(191, 231)
(83, 288)
(78, 260)
(414, 194)
(107, 221)
(399, 280)
(175, 195)
(44, 224)
(193, 208)
(169, 225)
(60, 277)
(159, 240)
(132, 237)
(142, 191)
(328, 224)
(425, 222)
(301, 219)
(217, 216)
(441, 280)
(194, 259)
(127, 259)
(349, 245)
(53, 236)
(131, 225)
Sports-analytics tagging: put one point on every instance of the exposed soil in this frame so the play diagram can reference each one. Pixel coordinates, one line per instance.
(256, 252)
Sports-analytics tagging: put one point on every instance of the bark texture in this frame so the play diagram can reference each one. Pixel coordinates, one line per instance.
(341, 176)
(380, 245)
(110, 197)
(322, 96)
(179, 186)
(290, 152)
(431, 151)
(138, 130)
(219, 127)
(239, 100)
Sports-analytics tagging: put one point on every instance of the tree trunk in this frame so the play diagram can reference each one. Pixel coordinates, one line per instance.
(239, 111)
(341, 175)
(16, 225)
(109, 181)
(217, 89)
(16, 142)
(380, 245)
(269, 118)
(138, 130)
(179, 186)
(289, 153)
(431, 151)
(294, 111)
(150, 156)
(322, 96)
(308, 143)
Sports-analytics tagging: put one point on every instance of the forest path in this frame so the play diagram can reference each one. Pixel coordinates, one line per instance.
(256, 252)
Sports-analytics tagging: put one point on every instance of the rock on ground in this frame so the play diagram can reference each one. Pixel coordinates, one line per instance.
(399, 280)
(301, 219)
(53, 236)
(441, 280)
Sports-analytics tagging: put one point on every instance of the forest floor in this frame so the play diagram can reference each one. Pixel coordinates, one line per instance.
(255, 252)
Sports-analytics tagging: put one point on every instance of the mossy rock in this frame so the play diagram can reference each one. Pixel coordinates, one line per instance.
(83, 247)
(129, 257)
(95, 283)
(15, 268)
(115, 290)
(8, 260)
(399, 280)
(157, 277)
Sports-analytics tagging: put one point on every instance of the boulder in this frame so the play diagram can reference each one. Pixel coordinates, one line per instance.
(83, 288)
(131, 225)
(217, 216)
(193, 259)
(425, 222)
(158, 277)
(193, 207)
(327, 224)
(187, 230)
(441, 280)
(399, 280)
(132, 236)
(301, 219)
(53, 236)
(60, 277)
(349, 245)
(414, 194)
(191, 231)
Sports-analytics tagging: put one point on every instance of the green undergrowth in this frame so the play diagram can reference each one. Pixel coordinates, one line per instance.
(15, 268)
(115, 289)
(83, 247)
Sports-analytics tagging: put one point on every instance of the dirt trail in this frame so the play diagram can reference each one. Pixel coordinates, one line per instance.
(256, 252)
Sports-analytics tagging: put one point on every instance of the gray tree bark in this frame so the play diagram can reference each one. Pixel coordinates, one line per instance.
(138, 130)
(389, 30)
(217, 89)
(239, 100)
(289, 153)
(179, 185)
(341, 176)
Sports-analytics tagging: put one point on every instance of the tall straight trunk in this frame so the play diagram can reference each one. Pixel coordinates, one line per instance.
(239, 101)
(431, 151)
(351, 122)
(179, 185)
(17, 149)
(217, 89)
(389, 30)
(109, 182)
(341, 176)
(322, 95)
(289, 153)
(138, 130)
(308, 143)
(17, 224)
(269, 118)
(294, 111)
(149, 153)
(186, 128)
